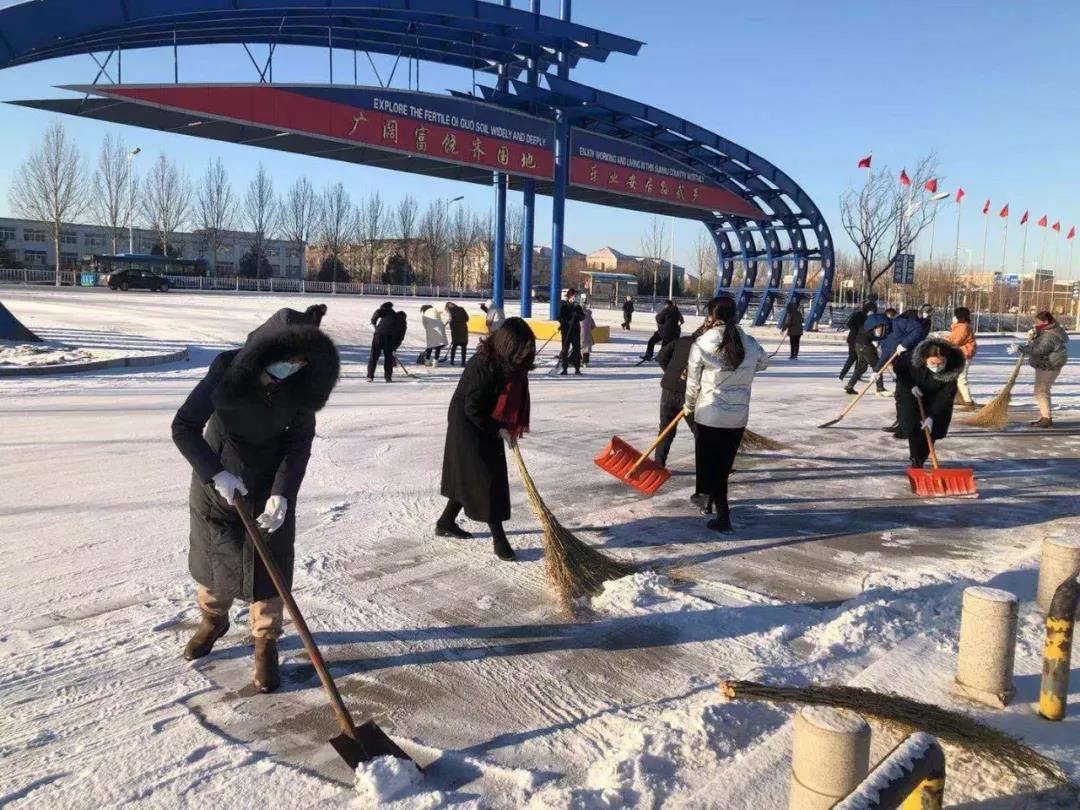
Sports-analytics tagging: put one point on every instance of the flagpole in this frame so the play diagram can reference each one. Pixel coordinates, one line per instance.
(986, 236)
(1023, 249)
(956, 251)
(1042, 249)
(1004, 245)
(933, 229)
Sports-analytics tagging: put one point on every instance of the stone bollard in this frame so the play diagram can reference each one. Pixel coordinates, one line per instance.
(830, 757)
(984, 667)
(1060, 561)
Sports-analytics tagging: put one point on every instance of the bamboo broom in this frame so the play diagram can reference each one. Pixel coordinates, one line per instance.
(995, 413)
(574, 568)
(911, 715)
(755, 441)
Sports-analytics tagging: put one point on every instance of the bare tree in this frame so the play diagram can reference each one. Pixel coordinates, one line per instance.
(465, 232)
(336, 224)
(371, 230)
(406, 226)
(884, 218)
(166, 200)
(434, 233)
(112, 201)
(706, 264)
(299, 215)
(515, 227)
(50, 186)
(215, 209)
(653, 242)
(260, 214)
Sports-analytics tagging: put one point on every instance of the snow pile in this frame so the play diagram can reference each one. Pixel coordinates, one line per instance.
(25, 355)
(384, 779)
(645, 592)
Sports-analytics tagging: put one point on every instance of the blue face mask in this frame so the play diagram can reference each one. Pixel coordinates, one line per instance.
(283, 369)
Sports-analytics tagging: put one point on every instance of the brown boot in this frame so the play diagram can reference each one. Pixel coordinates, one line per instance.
(1044, 422)
(267, 676)
(210, 629)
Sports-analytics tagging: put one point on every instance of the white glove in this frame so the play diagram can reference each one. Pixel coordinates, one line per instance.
(901, 349)
(916, 392)
(1012, 348)
(927, 424)
(274, 514)
(227, 485)
(504, 434)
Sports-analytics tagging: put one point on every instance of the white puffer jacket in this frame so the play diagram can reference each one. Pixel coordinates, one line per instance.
(434, 327)
(717, 395)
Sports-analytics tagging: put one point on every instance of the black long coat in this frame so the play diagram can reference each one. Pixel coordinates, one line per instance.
(459, 326)
(938, 390)
(474, 460)
(261, 433)
(669, 324)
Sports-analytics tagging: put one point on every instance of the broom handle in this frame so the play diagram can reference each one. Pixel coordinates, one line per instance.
(654, 445)
(873, 379)
(926, 430)
(342, 713)
(546, 342)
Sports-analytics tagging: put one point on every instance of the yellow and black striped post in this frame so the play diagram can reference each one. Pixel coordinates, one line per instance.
(1057, 651)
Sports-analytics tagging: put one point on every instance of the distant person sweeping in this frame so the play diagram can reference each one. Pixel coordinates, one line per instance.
(434, 335)
(962, 336)
(570, 315)
(669, 321)
(673, 359)
(929, 373)
(587, 325)
(792, 323)
(1047, 350)
(875, 329)
(854, 325)
(257, 407)
(383, 343)
(719, 376)
(490, 406)
(493, 315)
(459, 331)
(627, 312)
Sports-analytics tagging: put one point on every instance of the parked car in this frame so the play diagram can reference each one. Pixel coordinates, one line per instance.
(541, 292)
(132, 279)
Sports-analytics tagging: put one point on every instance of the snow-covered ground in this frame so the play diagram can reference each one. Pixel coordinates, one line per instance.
(836, 574)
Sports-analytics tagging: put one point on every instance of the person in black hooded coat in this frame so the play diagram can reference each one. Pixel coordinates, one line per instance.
(246, 429)
(385, 343)
(929, 372)
(459, 331)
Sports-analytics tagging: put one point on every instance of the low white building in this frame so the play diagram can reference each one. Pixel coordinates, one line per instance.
(30, 242)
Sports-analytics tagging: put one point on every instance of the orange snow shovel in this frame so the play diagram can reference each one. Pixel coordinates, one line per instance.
(639, 471)
(940, 481)
(354, 745)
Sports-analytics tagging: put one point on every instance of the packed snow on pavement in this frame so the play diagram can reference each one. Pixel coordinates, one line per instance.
(836, 573)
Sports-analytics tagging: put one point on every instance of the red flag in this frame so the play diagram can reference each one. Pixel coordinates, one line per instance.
(986, 207)
(1004, 211)
(1024, 218)
(1042, 222)
(1072, 232)
(959, 194)
(865, 162)
(904, 179)
(931, 185)
(1056, 226)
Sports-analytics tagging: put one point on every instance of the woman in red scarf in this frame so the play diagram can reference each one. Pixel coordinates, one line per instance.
(489, 407)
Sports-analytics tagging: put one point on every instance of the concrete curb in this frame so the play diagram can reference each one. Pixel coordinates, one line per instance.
(97, 365)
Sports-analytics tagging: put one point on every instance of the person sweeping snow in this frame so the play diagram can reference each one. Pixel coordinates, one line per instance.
(490, 406)
(854, 325)
(962, 336)
(434, 334)
(875, 329)
(459, 331)
(257, 406)
(673, 359)
(570, 315)
(929, 372)
(493, 316)
(588, 324)
(908, 330)
(792, 323)
(719, 375)
(627, 312)
(1047, 350)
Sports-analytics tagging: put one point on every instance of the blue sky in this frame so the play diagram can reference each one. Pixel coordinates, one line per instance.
(811, 86)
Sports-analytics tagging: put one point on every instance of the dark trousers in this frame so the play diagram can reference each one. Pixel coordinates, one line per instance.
(795, 339)
(918, 448)
(571, 353)
(453, 352)
(626, 320)
(671, 402)
(851, 358)
(651, 345)
(426, 355)
(867, 358)
(715, 450)
(379, 345)
(453, 510)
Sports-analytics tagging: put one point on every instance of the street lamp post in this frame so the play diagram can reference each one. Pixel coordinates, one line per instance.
(131, 199)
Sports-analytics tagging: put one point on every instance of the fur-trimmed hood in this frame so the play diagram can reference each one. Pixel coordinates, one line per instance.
(954, 358)
(308, 388)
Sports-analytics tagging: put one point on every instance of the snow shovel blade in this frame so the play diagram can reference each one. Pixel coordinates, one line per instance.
(619, 457)
(942, 482)
(370, 742)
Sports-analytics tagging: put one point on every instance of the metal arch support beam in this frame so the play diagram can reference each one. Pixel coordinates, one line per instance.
(775, 262)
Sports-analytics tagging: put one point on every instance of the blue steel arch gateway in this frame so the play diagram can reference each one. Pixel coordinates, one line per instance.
(532, 129)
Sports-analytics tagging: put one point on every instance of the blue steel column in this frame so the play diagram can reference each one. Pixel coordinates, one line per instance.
(498, 264)
(528, 202)
(562, 181)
